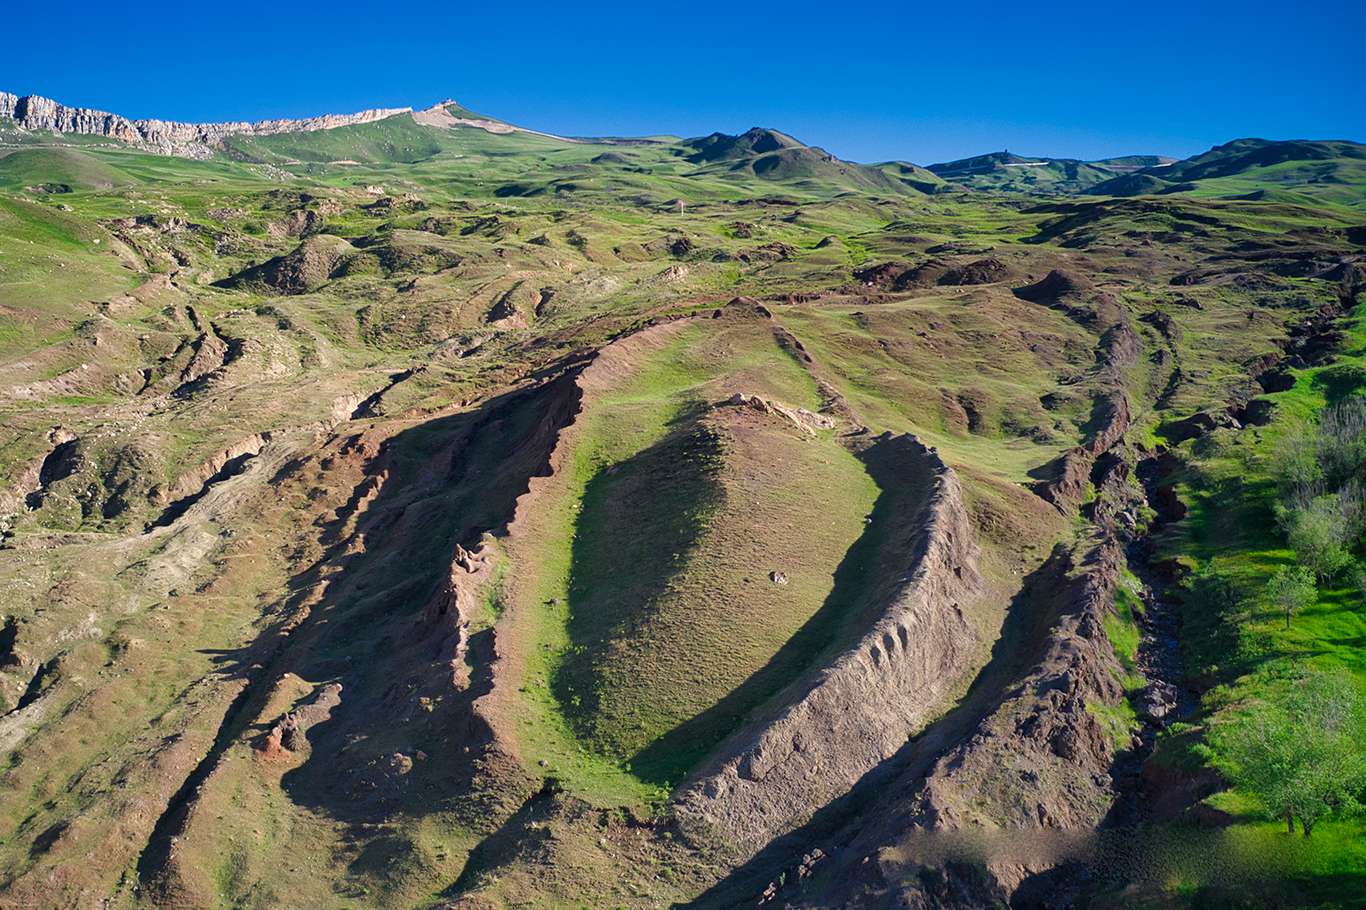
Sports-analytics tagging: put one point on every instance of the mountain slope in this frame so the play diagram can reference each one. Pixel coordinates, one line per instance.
(1007, 172)
(771, 155)
(1285, 171)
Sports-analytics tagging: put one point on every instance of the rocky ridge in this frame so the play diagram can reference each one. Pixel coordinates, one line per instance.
(167, 137)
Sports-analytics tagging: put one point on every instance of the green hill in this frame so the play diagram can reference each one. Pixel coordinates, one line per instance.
(1328, 171)
(60, 170)
(397, 139)
(774, 156)
(1003, 171)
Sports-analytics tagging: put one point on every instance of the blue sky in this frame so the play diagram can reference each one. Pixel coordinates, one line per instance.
(921, 82)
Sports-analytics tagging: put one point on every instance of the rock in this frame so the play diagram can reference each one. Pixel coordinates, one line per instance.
(1258, 412)
(1156, 702)
(807, 421)
(167, 137)
(1164, 324)
(1278, 380)
(304, 269)
(777, 251)
(1198, 424)
(882, 275)
(288, 736)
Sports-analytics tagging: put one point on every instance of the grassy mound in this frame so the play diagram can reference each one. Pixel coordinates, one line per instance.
(672, 519)
(728, 564)
(59, 170)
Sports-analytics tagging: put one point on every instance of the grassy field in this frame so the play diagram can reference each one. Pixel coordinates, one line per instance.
(1250, 654)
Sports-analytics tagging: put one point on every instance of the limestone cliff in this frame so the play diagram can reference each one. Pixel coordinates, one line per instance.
(168, 137)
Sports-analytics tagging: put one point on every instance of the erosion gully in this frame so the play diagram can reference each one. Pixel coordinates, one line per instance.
(1167, 698)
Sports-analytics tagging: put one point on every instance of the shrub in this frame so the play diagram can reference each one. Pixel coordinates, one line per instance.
(1298, 473)
(1317, 532)
(1342, 441)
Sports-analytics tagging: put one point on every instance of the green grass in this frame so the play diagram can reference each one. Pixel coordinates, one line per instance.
(1121, 628)
(1231, 529)
(62, 170)
(1118, 720)
(624, 660)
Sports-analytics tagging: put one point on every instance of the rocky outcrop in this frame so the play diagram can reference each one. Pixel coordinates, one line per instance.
(1054, 286)
(305, 268)
(289, 735)
(446, 618)
(1042, 759)
(1067, 477)
(981, 271)
(806, 421)
(1038, 754)
(190, 483)
(843, 720)
(1024, 790)
(192, 140)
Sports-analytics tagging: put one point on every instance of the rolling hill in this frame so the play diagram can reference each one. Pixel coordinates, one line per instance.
(423, 511)
(1283, 171)
(1007, 172)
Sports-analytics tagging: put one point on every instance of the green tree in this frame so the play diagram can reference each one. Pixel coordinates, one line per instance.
(1342, 440)
(1302, 755)
(1318, 534)
(1299, 475)
(1290, 590)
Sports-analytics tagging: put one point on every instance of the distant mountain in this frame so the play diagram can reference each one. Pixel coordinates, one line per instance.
(771, 155)
(1015, 173)
(1286, 171)
(750, 144)
(1243, 155)
(1133, 162)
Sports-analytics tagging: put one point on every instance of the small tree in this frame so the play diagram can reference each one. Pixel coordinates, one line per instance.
(1290, 590)
(1318, 535)
(1303, 755)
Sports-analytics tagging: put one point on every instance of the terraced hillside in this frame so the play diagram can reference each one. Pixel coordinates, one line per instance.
(423, 511)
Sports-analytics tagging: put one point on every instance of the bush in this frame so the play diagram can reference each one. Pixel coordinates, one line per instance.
(1298, 473)
(1342, 441)
(1317, 532)
(1217, 639)
(1352, 505)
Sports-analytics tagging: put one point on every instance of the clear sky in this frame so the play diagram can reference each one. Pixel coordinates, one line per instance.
(869, 82)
